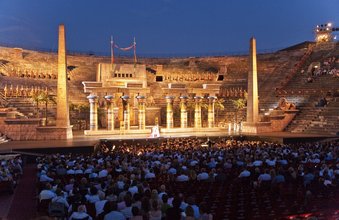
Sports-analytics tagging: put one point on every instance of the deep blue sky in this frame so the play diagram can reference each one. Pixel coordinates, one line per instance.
(164, 26)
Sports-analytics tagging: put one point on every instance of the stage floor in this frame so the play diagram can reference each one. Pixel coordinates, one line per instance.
(80, 140)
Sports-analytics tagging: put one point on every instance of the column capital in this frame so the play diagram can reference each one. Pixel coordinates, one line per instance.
(140, 97)
(183, 97)
(212, 98)
(169, 97)
(198, 98)
(92, 98)
(125, 97)
(109, 97)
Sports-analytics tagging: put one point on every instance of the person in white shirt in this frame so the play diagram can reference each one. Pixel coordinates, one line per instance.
(78, 171)
(103, 173)
(60, 198)
(47, 193)
(203, 175)
(257, 163)
(70, 171)
(93, 196)
(44, 177)
(133, 188)
(88, 170)
(114, 214)
(270, 162)
(127, 211)
(162, 191)
(172, 171)
(149, 175)
(93, 175)
(264, 177)
(99, 205)
(182, 178)
(191, 202)
(80, 214)
(69, 186)
(244, 173)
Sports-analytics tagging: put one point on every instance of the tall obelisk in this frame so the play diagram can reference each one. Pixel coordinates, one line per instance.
(252, 85)
(62, 119)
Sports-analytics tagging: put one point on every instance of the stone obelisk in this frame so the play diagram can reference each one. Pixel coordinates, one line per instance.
(62, 119)
(252, 85)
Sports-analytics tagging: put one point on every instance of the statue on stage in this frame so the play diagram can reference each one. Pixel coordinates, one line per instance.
(285, 105)
(155, 132)
(150, 101)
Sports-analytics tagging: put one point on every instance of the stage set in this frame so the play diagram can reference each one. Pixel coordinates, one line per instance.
(132, 112)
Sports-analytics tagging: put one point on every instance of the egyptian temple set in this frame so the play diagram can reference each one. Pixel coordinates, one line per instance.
(253, 93)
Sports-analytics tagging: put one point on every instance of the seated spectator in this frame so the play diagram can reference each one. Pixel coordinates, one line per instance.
(80, 214)
(165, 206)
(203, 175)
(308, 177)
(279, 178)
(47, 193)
(136, 214)
(162, 191)
(264, 177)
(61, 198)
(93, 196)
(174, 212)
(99, 205)
(244, 173)
(114, 213)
(182, 178)
(191, 203)
(322, 102)
(127, 211)
(204, 212)
(155, 213)
(44, 177)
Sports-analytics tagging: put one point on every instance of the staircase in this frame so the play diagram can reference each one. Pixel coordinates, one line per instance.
(327, 121)
(306, 115)
(311, 119)
(28, 108)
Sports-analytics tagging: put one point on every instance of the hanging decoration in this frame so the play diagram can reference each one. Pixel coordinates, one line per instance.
(114, 45)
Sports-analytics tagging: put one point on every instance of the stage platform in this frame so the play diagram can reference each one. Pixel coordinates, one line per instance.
(83, 143)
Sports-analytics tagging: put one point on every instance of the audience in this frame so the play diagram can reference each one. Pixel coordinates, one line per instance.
(119, 185)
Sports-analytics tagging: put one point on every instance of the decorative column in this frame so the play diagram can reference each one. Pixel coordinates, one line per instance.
(252, 86)
(211, 101)
(62, 119)
(183, 111)
(93, 112)
(169, 111)
(141, 112)
(197, 112)
(126, 110)
(110, 112)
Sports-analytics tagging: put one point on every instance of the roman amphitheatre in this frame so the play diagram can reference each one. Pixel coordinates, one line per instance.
(63, 108)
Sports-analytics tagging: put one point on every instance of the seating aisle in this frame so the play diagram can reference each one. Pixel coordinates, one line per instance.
(24, 203)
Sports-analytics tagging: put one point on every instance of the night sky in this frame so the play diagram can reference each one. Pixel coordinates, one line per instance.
(164, 27)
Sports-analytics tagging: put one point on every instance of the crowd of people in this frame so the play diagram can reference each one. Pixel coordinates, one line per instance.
(135, 181)
(10, 171)
(328, 67)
